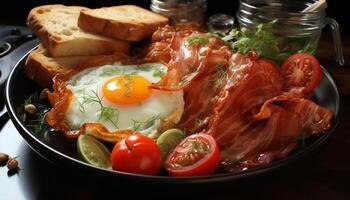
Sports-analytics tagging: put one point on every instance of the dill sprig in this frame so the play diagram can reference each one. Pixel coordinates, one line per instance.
(222, 75)
(37, 120)
(106, 113)
(139, 125)
(158, 73)
(31, 99)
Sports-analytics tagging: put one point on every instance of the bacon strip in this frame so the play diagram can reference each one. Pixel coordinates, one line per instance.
(251, 118)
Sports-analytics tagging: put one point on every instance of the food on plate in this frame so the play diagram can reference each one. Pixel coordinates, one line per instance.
(196, 155)
(190, 101)
(137, 154)
(126, 22)
(236, 99)
(56, 26)
(42, 67)
(301, 71)
(168, 140)
(93, 151)
(113, 98)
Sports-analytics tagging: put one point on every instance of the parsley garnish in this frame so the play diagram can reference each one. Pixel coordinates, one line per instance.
(198, 39)
(266, 43)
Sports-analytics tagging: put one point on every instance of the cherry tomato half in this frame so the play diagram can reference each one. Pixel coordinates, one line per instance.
(136, 154)
(301, 70)
(196, 155)
(272, 72)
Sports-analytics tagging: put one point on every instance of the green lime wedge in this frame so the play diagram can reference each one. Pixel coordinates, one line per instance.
(168, 140)
(93, 151)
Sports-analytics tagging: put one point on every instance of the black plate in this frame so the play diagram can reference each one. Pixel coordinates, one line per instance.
(62, 151)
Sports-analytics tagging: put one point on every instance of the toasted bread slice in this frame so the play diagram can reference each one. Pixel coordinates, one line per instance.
(41, 67)
(127, 22)
(56, 26)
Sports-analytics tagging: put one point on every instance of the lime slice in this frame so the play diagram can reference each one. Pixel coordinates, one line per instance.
(93, 151)
(168, 140)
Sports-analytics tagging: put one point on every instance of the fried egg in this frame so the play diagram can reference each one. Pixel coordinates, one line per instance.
(119, 97)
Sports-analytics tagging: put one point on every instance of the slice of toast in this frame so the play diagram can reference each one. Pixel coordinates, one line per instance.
(56, 26)
(41, 67)
(127, 22)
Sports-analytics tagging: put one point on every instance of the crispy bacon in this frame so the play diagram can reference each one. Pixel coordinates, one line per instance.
(191, 61)
(240, 105)
(255, 123)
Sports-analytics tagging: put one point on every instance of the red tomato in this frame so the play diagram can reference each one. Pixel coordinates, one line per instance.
(196, 155)
(272, 72)
(136, 154)
(301, 70)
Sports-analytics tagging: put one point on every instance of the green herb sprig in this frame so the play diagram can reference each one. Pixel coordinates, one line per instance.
(139, 125)
(37, 120)
(266, 43)
(106, 113)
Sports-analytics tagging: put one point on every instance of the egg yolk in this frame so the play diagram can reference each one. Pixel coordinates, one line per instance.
(127, 90)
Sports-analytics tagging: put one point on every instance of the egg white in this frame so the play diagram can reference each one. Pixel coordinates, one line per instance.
(145, 117)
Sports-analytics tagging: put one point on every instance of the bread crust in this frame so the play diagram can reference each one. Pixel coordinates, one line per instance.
(130, 30)
(41, 67)
(36, 70)
(60, 45)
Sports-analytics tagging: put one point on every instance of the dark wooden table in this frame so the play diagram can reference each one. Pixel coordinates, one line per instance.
(325, 175)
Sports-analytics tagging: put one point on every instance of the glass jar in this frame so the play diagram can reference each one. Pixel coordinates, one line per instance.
(181, 11)
(294, 29)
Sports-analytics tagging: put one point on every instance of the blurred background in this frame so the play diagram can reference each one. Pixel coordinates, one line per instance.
(15, 12)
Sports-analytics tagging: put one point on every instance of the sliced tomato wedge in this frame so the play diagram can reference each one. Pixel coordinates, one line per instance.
(272, 72)
(301, 70)
(196, 155)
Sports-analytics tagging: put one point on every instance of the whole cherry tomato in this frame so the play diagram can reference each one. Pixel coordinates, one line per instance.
(137, 154)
